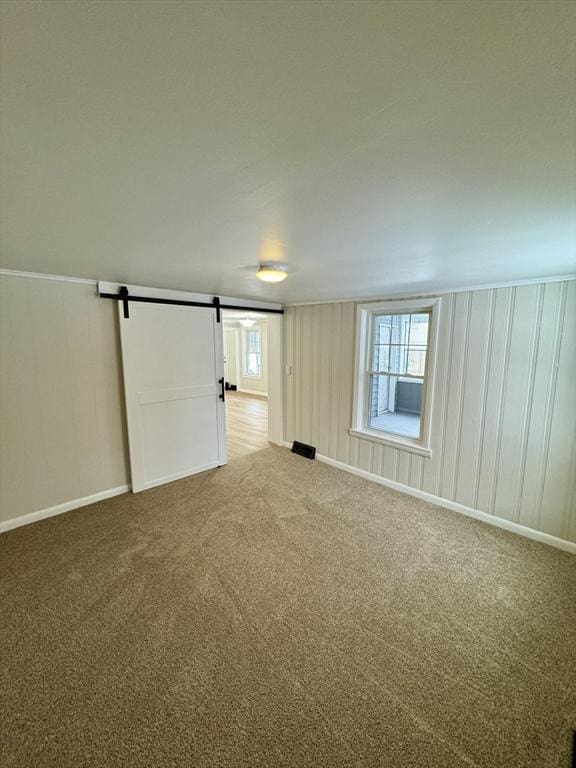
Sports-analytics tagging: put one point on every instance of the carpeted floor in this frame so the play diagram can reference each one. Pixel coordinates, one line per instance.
(278, 612)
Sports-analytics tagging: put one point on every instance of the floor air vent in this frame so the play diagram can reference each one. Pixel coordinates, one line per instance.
(308, 451)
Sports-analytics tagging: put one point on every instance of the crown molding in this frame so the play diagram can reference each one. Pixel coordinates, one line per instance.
(344, 299)
(431, 294)
(43, 276)
(244, 304)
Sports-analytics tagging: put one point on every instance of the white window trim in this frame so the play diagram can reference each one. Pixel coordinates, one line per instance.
(364, 313)
(244, 337)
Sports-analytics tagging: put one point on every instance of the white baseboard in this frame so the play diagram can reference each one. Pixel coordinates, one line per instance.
(33, 517)
(499, 522)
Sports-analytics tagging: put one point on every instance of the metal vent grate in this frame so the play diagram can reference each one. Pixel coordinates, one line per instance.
(308, 451)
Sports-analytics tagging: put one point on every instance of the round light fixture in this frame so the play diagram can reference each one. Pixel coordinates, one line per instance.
(272, 273)
(247, 323)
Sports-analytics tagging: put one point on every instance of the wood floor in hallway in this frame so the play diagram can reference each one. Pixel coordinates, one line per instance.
(246, 424)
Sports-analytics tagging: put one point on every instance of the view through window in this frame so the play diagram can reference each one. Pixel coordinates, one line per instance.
(253, 361)
(398, 348)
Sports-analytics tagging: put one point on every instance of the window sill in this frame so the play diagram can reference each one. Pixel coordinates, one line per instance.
(394, 441)
(252, 376)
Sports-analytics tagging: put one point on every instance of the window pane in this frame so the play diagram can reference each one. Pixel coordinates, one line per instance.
(398, 358)
(381, 357)
(253, 361)
(398, 343)
(383, 323)
(416, 362)
(395, 405)
(419, 330)
(253, 367)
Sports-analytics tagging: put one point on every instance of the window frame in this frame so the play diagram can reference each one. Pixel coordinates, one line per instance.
(362, 373)
(257, 327)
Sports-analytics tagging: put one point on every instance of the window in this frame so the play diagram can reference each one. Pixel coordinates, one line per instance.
(253, 352)
(394, 373)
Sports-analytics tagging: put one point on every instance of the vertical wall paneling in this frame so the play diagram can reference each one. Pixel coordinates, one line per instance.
(465, 394)
(377, 451)
(548, 406)
(353, 452)
(300, 377)
(500, 402)
(61, 395)
(415, 471)
(317, 375)
(433, 466)
(421, 479)
(23, 481)
(494, 385)
(346, 376)
(365, 455)
(291, 319)
(390, 463)
(503, 424)
(537, 412)
(290, 376)
(402, 467)
(484, 403)
(553, 515)
(571, 499)
(445, 403)
(336, 377)
(472, 397)
(307, 349)
(49, 344)
(397, 455)
(528, 402)
(326, 383)
(82, 402)
(519, 375)
(454, 395)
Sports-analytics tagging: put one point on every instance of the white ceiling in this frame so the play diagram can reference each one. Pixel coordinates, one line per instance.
(377, 147)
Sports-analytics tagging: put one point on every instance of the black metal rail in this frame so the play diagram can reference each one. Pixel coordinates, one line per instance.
(125, 297)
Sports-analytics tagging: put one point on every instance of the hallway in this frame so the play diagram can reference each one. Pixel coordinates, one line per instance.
(246, 424)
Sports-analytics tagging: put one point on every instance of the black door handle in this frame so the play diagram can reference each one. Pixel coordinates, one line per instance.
(221, 395)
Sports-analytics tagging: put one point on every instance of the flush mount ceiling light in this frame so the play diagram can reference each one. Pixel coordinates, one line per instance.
(247, 323)
(272, 273)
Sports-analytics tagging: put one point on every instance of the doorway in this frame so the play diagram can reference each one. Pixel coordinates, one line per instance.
(246, 363)
(172, 361)
(172, 345)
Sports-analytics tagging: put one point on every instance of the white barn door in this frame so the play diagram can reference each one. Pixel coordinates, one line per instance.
(173, 365)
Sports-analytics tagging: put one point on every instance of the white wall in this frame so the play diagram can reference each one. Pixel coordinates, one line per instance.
(61, 402)
(504, 421)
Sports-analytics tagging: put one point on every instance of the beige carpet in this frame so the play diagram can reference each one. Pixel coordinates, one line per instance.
(278, 612)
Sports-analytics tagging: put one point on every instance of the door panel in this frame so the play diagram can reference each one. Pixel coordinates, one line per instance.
(172, 359)
(192, 443)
